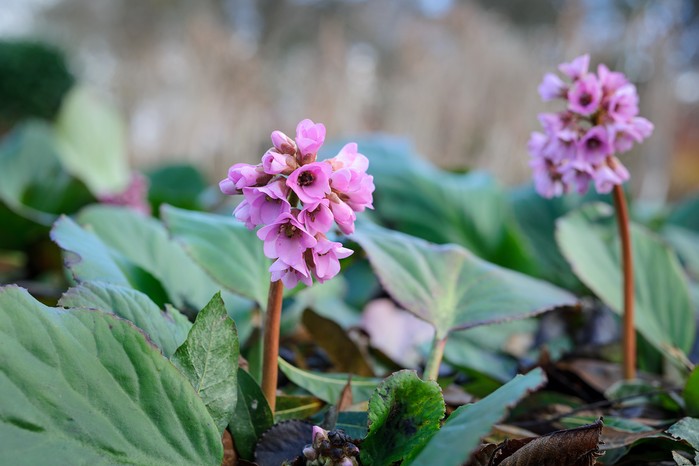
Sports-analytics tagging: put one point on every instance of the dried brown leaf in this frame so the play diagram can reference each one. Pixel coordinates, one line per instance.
(571, 447)
(482, 456)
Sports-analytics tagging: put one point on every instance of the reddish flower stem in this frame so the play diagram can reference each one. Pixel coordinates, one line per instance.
(270, 351)
(629, 330)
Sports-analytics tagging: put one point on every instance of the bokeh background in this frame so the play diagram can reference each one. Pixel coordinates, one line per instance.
(206, 81)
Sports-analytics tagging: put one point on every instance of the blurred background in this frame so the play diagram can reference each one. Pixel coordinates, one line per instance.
(205, 82)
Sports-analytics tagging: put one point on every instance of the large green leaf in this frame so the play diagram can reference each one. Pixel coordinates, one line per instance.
(83, 386)
(686, 213)
(415, 197)
(663, 314)
(87, 258)
(120, 246)
(222, 246)
(92, 142)
(181, 185)
(483, 348)
(167, 330)
(328, 387)
(33, 182)
(461, 434)
(252, 415)
(209, 359)
(451, 288)
(537, 217)
(404, 412)
(686, 243)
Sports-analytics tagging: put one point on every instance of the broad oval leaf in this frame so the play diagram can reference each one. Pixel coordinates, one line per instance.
(463, 430)
(451, 288)
(83, 385)
(328, 387)
(222, 246)
(209, 359)
(119, 246)
(167, 330)
(404, 412)
(92, 141)
(443, 207)
(28, 158)
(663, 314)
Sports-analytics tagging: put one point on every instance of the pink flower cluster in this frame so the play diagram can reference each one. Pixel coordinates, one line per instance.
(578, 145)
(297, 199)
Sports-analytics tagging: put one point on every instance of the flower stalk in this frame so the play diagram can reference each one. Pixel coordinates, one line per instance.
(629, 329)
(270, 350)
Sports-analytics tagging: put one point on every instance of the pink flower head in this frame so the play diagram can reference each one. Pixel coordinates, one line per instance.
(552, 87)
(585, 95)
(243, 175)
(577, 146)
(309, 137)
(267, 202)
(576, 68)
(290, 196)
(326, 259)
(594, 147)
(311, 182)
(317, 218)
(290, 276)
(287, 240)
(283, 143)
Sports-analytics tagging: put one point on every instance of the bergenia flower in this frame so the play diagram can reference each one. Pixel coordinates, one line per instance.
(267, 203)
(243, 175)
(552, 87)
(317, 217)
(297, 201)
(326, 258)
(311, 182)
(309, 138)
(286, 239)
(578, 145)
(577, 68)
(585, 95)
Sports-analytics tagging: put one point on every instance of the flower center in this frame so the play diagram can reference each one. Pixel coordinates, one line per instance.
(593, 143)
(288, 230)
(585, 99)
(306, 178)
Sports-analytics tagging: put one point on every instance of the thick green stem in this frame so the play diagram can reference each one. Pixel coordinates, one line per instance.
(629, 330)
(271, 342)
(435, 358)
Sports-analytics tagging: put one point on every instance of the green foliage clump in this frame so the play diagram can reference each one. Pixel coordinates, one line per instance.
(34, 78)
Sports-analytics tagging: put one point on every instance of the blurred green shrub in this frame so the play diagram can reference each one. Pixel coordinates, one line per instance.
(34, 77)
